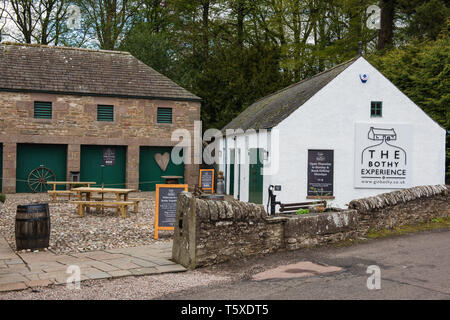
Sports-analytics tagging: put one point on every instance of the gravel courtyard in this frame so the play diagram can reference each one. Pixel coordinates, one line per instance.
(71, 233)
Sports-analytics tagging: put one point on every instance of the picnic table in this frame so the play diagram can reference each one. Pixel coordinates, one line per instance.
(172, 179)
(54, 193)
(120, 200)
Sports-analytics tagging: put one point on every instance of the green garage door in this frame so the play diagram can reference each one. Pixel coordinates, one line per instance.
(33, 156)
(150, 172)
(112, 174)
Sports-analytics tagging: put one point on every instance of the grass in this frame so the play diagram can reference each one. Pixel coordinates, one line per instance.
(302, 211)
(2, 197)
(436, 223)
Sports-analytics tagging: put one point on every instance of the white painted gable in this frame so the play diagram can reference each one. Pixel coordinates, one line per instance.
(328, 120)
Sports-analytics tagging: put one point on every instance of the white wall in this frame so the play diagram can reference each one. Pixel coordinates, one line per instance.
(243, 142)
(327, 121)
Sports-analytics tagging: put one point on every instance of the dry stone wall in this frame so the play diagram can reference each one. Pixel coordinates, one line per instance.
(402, 207)
(209, 232)
(318, 228)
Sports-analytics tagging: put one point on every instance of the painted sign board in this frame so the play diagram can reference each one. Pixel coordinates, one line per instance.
(166, 205)
(320, 173)
(382, 156)
(109, 156)
(206, 179)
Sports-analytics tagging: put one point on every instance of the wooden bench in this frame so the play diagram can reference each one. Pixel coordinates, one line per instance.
(120, 205)
(289, 208)
(62, 193)
(134, 200)
(54, 193)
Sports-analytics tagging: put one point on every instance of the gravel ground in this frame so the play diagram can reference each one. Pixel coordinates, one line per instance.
(95, 231)
(128, 288)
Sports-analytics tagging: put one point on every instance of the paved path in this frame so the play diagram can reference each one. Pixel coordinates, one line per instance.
(415, 266)
(37, 269)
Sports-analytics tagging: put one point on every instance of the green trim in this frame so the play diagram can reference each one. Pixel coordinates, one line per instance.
(256, 182)
(232, 161)
(376, 109)
(164, 115)
(42, 110)
(105, 113)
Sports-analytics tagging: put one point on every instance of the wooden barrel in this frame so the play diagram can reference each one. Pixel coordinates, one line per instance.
(32, 226)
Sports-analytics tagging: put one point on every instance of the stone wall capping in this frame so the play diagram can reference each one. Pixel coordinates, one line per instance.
(392, 198)
(276, 219)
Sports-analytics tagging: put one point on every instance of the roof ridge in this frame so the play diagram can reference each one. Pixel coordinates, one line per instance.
(37, 45)
(310, 78)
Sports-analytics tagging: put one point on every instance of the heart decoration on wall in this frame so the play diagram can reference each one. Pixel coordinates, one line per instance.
(162, 160)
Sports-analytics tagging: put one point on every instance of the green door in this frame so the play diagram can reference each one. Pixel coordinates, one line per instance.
(255, 186)
(232, 161)
(32, 156)
(150, 172)
(113, 172)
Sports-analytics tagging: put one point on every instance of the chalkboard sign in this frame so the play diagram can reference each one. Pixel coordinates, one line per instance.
(166, 205)
(320, 173)
(109, 156)
(207, 179)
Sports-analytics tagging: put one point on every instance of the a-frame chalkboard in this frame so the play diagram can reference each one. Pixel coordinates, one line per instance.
(206, 180)
(166, 205)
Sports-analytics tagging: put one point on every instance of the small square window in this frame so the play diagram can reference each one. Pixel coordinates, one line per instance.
(42, 110)
(105, 113)
(164, 115)
(376, 109)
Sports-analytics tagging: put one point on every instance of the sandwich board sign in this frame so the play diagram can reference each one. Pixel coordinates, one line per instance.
(206, 182)
(166, 205)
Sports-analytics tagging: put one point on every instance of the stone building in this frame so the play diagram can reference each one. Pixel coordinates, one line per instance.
(343, 134)
(98, 115)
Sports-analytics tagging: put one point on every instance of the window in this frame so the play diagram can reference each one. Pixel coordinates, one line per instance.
(42, 110)
(376, 109)
(105, 113)
(164, 115)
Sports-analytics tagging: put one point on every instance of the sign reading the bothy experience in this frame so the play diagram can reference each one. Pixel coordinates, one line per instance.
(206, 179)
(381, 156)
(166, 205)
(109, 156)
(320, 173)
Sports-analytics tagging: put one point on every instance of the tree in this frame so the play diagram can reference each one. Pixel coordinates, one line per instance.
(387, 22)
(109, 20)
(24, 18)
(2, 16)
(426, 20)
(39, 21)
(51, 14)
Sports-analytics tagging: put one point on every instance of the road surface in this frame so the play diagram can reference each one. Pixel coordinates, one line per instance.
(413, 266)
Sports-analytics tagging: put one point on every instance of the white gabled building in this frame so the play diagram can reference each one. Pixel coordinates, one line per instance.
(343, 134)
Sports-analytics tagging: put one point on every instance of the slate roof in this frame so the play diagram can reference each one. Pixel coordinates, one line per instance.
(269, 111)
(50, 69)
